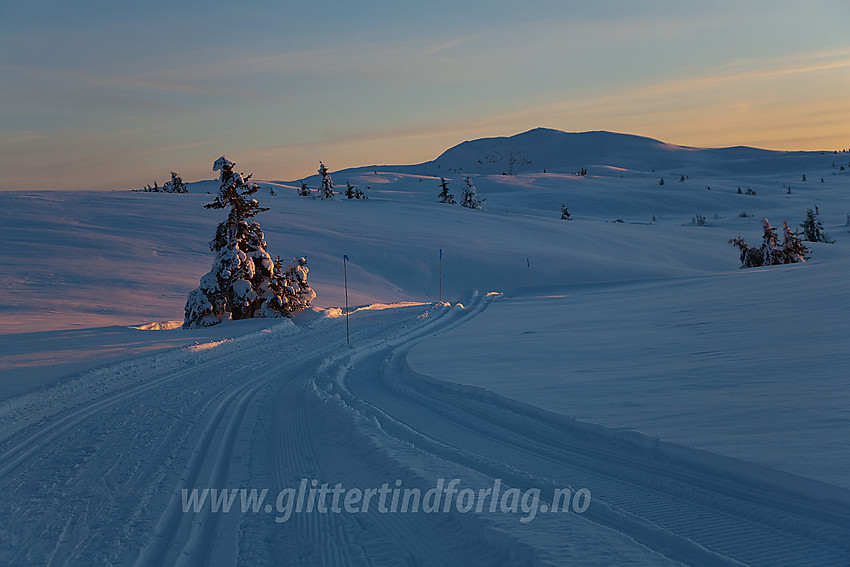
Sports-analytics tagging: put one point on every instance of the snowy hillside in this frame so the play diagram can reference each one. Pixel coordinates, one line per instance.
(544, 149)
(697, 412)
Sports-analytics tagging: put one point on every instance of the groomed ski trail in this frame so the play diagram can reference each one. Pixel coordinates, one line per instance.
(687, 506)
(93, 472)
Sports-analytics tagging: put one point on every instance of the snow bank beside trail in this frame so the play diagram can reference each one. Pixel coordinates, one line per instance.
(102, 377)
(750, 364)
(31, 361)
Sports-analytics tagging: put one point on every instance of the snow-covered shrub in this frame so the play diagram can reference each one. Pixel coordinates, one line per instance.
(565, 213)
(244, 282)
(771, 253)
(353, 192)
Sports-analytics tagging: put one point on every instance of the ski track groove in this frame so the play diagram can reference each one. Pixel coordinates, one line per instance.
(327, 536)
(170, 522)
(34, 442)
(70, 422)
(383, 539)
(632, 496)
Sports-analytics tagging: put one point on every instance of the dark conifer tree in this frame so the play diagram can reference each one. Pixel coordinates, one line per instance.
(326, 191)
(445, 196)
(813, 227)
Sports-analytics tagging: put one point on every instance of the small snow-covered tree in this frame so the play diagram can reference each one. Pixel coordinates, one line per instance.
(445, 196)
(813, 228)
(470, 198)
(290, 290)
(353, 192)
(565, 213)
(750, 257)
(770, 250)
(176, 185)
(326, 191)
(304, 191)
(299, 293)
(244, 282)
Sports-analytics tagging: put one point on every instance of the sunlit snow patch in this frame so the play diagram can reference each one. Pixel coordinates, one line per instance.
(162, 326)
(382, 306)
(206, 346)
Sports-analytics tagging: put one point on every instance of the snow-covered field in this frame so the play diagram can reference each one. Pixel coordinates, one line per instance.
(697, 412)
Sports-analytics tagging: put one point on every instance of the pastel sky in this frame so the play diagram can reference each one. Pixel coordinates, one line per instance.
(108, 94)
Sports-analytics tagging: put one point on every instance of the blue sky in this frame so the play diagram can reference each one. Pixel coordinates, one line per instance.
(110, 94)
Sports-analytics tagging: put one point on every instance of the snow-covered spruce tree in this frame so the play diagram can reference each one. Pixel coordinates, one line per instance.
(771, 252)
(445, 196)
(565, 213)
(813, 228)
(304, 191)
(290, 290)
(750, 257)
(244, 282)
(299, 294)
(793, 249)
(470, 198)
(176, 185)
(326, 191)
